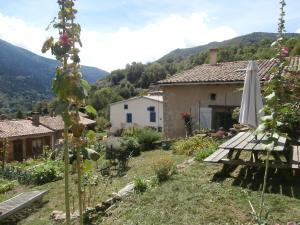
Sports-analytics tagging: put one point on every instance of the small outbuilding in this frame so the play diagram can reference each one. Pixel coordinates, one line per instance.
(144, 111)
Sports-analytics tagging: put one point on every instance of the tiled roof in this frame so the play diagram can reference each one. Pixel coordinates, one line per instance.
(18, 128)
(57, 123)
(158, 98)
(225, 72)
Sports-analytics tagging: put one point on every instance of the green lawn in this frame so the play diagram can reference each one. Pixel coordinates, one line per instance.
(54, 200)
(202, 196)
(199, 195)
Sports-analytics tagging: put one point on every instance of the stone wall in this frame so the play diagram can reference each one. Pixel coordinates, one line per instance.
(190, 98)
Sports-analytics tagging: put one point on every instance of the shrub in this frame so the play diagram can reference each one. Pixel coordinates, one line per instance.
(131, 144)
(47, 172)
(163, 168)
(145, 136)
(6, 185)
(193, 145)
(117, 152)
(101, 123)
(42, 173)
(201, 155)
(140, 185)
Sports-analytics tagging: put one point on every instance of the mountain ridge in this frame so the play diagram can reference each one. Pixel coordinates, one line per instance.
(246, 39)
(25, 77)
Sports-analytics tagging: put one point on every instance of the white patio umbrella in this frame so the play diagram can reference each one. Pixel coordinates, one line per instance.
(251, 99)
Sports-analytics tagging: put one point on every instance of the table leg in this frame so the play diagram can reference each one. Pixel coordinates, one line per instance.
(276, 157)
(237, 155)
(254, 157)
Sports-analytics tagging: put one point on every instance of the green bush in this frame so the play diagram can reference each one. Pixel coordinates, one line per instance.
(131, 144)
(201, 155)
(47, 172)
(163, 168)
(145, 136)
(101, 123)
(193, 145)
(42, 173)
(6, 185)
(140, 185)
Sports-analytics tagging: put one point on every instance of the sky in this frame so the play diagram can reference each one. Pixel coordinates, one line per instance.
(118, 32)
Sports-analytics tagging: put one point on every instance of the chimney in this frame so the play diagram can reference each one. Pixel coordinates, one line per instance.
(35, 118)
(51, 112)
(213, 56)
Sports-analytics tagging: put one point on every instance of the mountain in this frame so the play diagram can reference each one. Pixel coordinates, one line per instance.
(247, 39)
(26, 77)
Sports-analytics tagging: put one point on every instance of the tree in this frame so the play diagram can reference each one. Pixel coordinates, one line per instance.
(19, 114)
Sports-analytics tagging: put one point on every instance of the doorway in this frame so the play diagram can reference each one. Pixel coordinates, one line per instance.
(222, 117)
(18, 150)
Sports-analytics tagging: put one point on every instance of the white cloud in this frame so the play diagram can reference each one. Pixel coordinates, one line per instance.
(298, 30)
(114, 50)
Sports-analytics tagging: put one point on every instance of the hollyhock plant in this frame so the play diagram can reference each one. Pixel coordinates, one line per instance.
(284, 51)
(64, 38)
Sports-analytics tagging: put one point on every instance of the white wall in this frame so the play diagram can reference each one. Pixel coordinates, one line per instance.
(140, 114)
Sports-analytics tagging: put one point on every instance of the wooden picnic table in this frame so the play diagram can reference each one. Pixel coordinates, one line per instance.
(230, 151)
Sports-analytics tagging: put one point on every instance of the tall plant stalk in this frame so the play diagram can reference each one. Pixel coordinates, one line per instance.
(275, 98)
(66, 171)
(70, 89)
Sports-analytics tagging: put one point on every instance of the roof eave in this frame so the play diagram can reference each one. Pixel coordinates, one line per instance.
(201, 83)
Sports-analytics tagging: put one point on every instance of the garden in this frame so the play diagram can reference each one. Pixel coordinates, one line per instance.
(138, 176)
(168, 194)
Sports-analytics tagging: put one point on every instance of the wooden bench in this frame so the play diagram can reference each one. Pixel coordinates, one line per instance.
(21, 201)
(217, 155)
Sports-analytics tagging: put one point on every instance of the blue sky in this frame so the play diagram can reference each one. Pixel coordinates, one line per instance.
(117, 32)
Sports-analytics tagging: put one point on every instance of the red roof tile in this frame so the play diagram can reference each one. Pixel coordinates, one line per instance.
(18, 128)
(225, 72)
(56, 123)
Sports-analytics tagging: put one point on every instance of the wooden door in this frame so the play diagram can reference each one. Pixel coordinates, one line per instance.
(18, 150)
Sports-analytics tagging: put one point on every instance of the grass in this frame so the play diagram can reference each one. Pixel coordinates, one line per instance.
(199, 195)
(202, 195)
(54, 200)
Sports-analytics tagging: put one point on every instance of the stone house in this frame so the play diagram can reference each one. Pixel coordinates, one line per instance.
(27, 137)
(209, 92)
(56, 124)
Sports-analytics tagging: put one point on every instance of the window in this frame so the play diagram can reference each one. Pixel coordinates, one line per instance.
(213, 96)
(37, 143)
(152, 116)
(129, 117)
(151, 108)
(125, 106)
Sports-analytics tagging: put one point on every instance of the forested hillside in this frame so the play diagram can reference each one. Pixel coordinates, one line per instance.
(25, 78)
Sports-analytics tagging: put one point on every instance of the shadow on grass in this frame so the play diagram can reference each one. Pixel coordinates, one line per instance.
(24, 213)
(280, 181)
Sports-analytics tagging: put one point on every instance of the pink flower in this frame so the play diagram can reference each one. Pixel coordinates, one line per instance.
(284, 51)
(64, 38)
(291, 223)
(184, 115)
